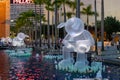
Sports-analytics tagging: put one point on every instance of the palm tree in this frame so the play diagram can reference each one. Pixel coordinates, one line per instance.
(25, 23)
(25, 19)
(102, 24)
(56, 14)
(69, 14)
(40, 3)
(63, 3)
(75, 5)
(88, 11)
(36, 27)
(95, 27)
(49, 8)
(78, 9)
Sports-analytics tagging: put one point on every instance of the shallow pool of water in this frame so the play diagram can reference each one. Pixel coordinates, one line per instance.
(39, 68)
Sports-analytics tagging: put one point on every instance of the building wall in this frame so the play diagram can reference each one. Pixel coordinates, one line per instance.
(19, 6)
(16, 9)
(4, 18)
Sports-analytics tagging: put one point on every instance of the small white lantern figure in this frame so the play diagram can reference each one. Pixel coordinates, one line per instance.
(77, 40)
(19, 39)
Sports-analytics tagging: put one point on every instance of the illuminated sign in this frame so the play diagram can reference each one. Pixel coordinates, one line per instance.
(22, 1)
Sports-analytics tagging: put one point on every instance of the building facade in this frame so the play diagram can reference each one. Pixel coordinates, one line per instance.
(4, 18)
(19, 6)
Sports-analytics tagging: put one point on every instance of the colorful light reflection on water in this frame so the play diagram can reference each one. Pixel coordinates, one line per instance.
(4, 66)
(32, 68)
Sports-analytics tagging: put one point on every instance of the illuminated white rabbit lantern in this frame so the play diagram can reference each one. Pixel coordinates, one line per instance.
(77, 40)
(19, 39)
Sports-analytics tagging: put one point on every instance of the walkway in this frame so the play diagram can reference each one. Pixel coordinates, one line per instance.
(110, 55)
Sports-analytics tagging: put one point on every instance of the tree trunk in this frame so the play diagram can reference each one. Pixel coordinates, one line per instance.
(64, 19)
(40, 29)
(52, 28)
(56, 22)
(87, 22)
(35, 24)
(102, 24)
(48, 29)
(78, 8)
(95, 27)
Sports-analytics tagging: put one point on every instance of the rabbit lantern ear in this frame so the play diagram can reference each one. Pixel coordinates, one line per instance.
(61, 25)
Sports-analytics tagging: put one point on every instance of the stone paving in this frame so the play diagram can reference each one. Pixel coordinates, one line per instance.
(110, 55)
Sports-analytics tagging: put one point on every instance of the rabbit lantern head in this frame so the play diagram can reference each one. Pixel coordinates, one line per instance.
(74, 26)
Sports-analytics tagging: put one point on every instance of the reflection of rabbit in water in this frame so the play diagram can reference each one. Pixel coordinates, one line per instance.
(77, 40)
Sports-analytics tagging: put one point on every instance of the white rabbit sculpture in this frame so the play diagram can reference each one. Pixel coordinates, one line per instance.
(77, 40)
